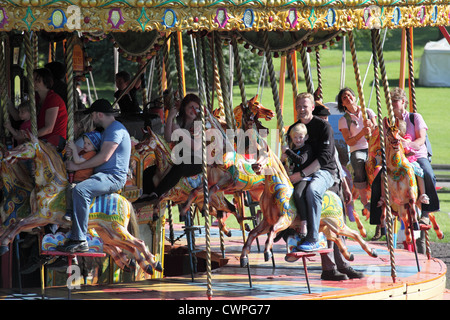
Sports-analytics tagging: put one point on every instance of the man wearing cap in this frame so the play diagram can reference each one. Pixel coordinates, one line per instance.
(110, 172)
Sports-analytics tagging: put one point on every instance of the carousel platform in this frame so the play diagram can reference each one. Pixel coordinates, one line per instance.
(285, 281)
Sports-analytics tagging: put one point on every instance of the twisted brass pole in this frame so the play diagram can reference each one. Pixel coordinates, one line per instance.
(176, 49)
(70, 101)
(362, 102)
(217, 85)
(411, 71)
(34, 43)
(291, 71)
(384, 78)
(4, 81)
(225, 94)
(319, 73)
(237, 66)
(168, 78)
(273, 83)
(306, 69)
(30, 78)
(205, 76)
(384, 181)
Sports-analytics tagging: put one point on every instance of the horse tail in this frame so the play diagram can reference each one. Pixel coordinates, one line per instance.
(133, 227)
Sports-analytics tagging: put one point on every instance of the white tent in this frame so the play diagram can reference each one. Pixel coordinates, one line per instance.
(435, 64)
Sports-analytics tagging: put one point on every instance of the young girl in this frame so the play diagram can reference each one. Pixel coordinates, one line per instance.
(300, 156)
(24, 110)
(92, 143)
(410, 154)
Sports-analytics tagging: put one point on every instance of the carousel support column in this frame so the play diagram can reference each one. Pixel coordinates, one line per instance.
(282, 80)
(237, 66)
(292, 70)
(401, 78)
(70, 101)
(412, 83)
(179, 63)
(268, 55)
(389, 220)
(206, 76)
(3, 79)
(168, 79)
(216, 81)
(222, 77)
(203, 113)
(357, 75)
(209, 292)
(319, 73)
(34, 43)
(29, 53)
(413, 106)
(384, 78)
(305, 65)
(30, 68)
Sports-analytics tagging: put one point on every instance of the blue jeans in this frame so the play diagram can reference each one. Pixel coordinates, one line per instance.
(321, 181)
(83, 193)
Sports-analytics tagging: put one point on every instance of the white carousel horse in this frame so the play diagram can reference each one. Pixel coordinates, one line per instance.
(109, 214)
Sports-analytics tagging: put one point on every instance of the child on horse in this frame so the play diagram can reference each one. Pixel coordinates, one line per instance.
(92, 143)
(300, 156)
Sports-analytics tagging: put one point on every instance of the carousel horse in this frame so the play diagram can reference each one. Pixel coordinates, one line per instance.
(255, 108)
(373, 167)
(234, 173)
(279, 212)
(17, 186)
(181, 192)
(110, 214)
(401, 179)
(239, 174)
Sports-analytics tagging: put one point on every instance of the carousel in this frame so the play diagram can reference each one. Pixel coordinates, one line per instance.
(135, 245)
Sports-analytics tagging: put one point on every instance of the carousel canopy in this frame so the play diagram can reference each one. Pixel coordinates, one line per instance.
(240, 15)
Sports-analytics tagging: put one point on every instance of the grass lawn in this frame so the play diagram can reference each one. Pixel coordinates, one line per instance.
(431, 102)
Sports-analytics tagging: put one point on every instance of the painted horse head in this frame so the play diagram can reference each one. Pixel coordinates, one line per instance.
(16, 186)
(153, 143)
(392, 135)
(252, 111)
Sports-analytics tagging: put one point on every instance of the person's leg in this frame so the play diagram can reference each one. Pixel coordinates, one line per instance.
(430, 189)
(320, 182)
(299, 199)
(83, 193)
(358, 160)
(329, 269)
(175, 174)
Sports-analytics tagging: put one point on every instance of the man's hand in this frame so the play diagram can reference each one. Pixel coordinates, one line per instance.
(71, 166)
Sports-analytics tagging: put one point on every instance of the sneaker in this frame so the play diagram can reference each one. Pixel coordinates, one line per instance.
(67, 217)
(333, 275)
(309, 246)
(73, 246)
(352, 273)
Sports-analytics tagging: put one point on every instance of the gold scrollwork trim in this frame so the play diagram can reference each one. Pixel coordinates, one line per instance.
(86, 18)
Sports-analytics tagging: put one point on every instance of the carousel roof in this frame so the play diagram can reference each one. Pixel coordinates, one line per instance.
(238, 15)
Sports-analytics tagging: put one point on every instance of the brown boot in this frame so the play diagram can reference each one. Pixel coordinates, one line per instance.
(378, 234)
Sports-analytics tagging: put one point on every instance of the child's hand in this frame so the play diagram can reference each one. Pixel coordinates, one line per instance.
(72, 146)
